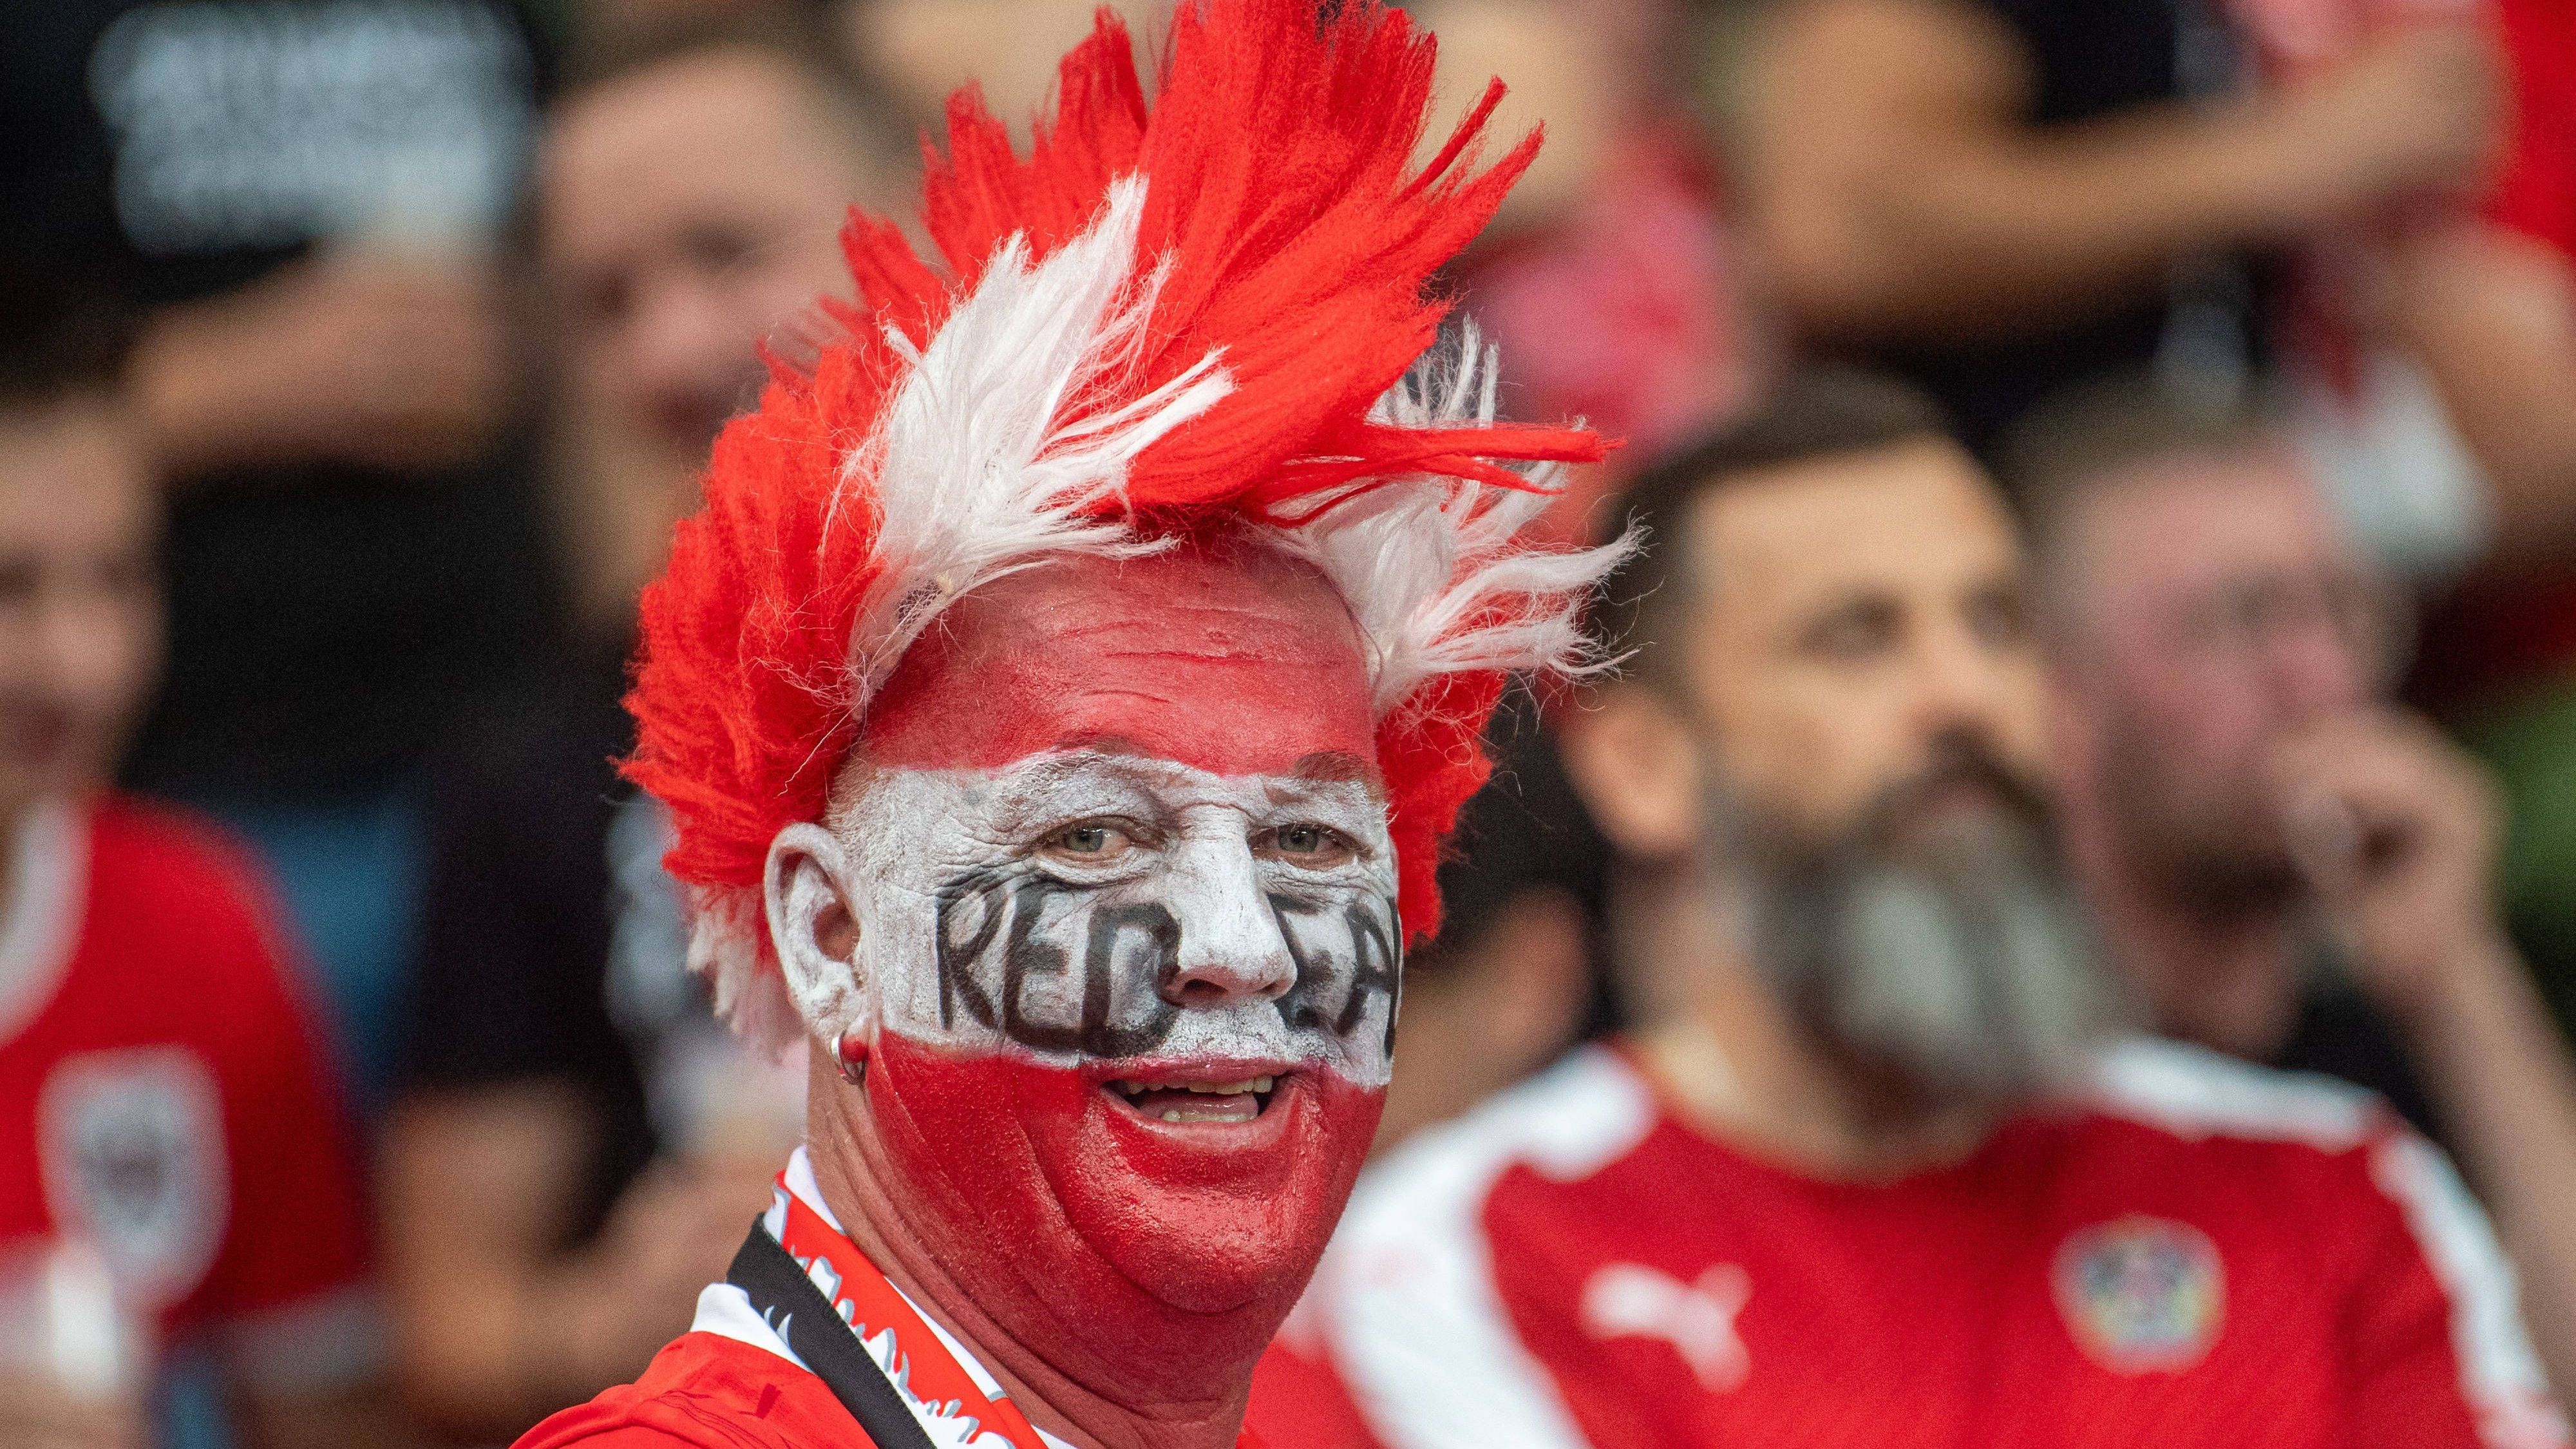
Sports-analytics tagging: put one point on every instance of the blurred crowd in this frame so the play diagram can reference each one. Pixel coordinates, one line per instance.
(2159, 415)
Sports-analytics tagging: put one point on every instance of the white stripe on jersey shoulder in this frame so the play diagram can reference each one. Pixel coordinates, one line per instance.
(2193, 1092)
(2500, 1373)
(1406, 1294)
(2196, 1093)
(48, 895)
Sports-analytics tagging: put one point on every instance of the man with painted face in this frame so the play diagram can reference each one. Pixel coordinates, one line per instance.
(1060, 699)
(1872, 1168)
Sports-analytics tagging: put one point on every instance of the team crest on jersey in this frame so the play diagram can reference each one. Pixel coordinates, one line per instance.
(2141, 1294)
(134, 1163)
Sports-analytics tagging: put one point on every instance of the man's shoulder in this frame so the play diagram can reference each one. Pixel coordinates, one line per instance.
(2295, 1166)
(709, 1392)
(1407, 1283)
(2192, 1100)
(147, 926)
(156, 869)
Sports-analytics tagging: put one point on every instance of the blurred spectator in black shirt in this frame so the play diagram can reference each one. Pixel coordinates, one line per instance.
(307, 197)
(2259, 831)
(577, 1143)
(1517, 974)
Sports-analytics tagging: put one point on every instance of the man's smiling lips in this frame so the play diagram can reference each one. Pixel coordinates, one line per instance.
(1220, 1094)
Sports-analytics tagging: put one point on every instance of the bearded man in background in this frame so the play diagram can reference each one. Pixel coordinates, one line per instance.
(1060, 700)
(1874, 1168)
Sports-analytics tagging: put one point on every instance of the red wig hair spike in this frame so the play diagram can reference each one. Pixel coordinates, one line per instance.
(1206, 304)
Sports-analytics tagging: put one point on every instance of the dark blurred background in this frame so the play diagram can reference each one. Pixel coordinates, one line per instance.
(362, 352)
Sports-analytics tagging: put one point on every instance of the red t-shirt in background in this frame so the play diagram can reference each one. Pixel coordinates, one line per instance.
(2536, 194)
(2209, 1255)
(163, 1098)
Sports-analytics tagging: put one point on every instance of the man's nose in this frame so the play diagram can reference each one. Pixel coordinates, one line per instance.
(1231, 946)
(1959, 681)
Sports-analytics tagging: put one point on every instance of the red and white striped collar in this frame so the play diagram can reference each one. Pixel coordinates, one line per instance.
(958, 1401)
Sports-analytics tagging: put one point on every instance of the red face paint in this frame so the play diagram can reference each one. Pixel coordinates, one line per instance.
(1231, 658)
(1166, 1256)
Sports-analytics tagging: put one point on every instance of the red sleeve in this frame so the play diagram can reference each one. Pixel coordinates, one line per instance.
(287, 1296)
(2434, 1337)
(622, 1437)
(706, 1391)
(2536, 194)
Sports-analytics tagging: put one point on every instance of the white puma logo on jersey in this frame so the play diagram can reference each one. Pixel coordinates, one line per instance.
(1631, 1300)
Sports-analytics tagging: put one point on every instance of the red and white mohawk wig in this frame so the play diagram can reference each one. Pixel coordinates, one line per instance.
(1206, 313)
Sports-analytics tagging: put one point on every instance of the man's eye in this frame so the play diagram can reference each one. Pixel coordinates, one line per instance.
(1317, 847)
(1092, 841)
(1853, 633)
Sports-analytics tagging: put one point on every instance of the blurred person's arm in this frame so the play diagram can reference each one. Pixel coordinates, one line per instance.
(1898, 190)
(347, 1419)
(389, 361)
(37, 1412)
(2491, 315)
(2396, 830)
(496, 1326)
(516, 1084)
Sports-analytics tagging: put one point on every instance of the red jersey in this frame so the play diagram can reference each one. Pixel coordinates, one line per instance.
(2537, 192)
(734, 1382)
(163, 1101)
(2199, 1253)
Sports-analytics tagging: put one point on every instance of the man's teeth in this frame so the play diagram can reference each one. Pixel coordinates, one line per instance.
(1137, 1087)
(1169, 1111)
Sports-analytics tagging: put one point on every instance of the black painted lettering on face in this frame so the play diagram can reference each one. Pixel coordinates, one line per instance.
(1004, 936)
(1373, 951)
(988, 890)
(1012, 906)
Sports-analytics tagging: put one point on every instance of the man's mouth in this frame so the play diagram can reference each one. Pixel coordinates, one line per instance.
(1180, 1099)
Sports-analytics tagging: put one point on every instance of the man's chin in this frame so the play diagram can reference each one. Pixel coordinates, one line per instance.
(1212, 1203)
(1209, 1213)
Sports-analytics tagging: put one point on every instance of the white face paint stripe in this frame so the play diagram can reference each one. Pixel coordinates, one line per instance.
(1195, 938)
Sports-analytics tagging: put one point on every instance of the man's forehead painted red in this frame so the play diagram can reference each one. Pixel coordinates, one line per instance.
(1235, 659)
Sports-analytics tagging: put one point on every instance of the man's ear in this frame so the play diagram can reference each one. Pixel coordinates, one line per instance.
(816, 932)
(1638, 768)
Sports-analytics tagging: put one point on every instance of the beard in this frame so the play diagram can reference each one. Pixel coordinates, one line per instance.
(2198, 839)
(1942, 947)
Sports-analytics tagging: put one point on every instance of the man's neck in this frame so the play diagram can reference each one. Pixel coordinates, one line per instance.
(1052, 1399)
(1729, 1056)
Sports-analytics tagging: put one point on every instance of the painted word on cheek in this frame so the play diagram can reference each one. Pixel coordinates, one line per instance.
(1376, 965)
(1022, 917)
(1021, 898)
